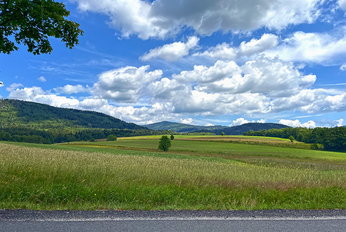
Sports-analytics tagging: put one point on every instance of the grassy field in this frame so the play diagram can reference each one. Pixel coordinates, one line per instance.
(203, 172)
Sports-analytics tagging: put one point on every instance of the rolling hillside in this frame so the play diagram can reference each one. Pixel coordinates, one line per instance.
(30, 114)
(181, 127)
(235, 130)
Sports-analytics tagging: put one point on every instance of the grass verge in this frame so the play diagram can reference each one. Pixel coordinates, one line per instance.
(34, 178)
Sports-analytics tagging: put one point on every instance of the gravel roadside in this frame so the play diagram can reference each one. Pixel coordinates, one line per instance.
(35, 215)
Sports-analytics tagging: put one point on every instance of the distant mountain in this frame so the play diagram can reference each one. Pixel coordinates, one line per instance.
(181, 127)
(239, 130)
(234, 130)
(30, 114)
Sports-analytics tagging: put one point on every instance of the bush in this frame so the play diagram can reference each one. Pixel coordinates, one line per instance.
(164, 143)
(112, 138)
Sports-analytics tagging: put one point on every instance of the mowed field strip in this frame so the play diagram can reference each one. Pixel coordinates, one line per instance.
(198, 172)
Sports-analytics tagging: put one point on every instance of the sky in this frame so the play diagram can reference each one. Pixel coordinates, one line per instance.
(202, 62)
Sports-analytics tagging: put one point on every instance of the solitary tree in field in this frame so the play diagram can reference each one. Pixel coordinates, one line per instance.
(164, 143)
(32, 22)
(222, 133)
(291, 138)
(112, 138)
(172, 137)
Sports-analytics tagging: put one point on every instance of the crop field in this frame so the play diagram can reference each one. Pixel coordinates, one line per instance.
(197, 173)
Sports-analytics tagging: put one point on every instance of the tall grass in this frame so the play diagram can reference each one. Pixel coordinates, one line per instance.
(59, 179)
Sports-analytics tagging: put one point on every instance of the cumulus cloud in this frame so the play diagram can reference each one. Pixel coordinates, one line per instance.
(42, 79)
(162, 18)
(271, 77)
(323, 48)
(186, 120)
(225, 51)
(36, 94)
(330, 123)
(257, 87)
(254, 46)
(241, 121)
(14, 86)
(313, 124)
(71, 89)
(124, 84)
(172, 52)
(297, 123)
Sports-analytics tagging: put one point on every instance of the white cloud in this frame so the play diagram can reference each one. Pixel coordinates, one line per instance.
(342, 4)
(239, 121)
(330, 123)
(255, 46)
(222, 51)
(70, 89)
(203, 74)
(36, 94)
(297, 123)
(42, 79)
(261, 121)
(124, 84)
(186, 120)
(340, 122)
(165, 17)
(343, 67)
(259, 86)
(172, 52)
(323, 48)
(1, 84)
(209, 124)
(313, 124)
(271, 77)
(14, 86)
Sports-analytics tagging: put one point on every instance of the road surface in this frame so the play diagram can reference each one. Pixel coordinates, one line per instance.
(271, 220)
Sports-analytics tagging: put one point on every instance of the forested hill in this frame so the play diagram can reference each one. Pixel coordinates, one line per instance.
(239, 130)
(180, 127)
(22, 113)
(234, 130)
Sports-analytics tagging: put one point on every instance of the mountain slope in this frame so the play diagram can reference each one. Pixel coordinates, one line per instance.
(239, 130)
(15, 112)
(181, 127)
(234, 130)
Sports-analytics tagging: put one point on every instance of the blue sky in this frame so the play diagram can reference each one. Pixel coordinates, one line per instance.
(221, 62)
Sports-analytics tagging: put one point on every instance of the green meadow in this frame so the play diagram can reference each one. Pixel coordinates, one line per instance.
(197, 173)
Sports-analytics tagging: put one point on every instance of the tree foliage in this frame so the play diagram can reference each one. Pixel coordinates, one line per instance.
(32, 22)
(331, 139)
(291, 138)
(172, 137)
(112, 138)
(164, 143)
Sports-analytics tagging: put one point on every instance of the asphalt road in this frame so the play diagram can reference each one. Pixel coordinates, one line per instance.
(271, 220)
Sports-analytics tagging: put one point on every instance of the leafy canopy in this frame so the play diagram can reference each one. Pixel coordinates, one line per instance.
(112, 138)
(32, 22)
(164, 143)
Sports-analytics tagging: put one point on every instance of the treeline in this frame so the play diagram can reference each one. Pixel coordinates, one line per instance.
(331, 139)
(28, 135)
